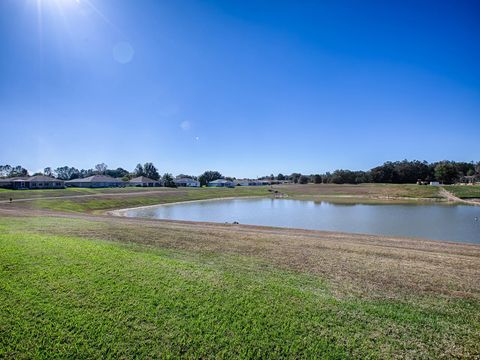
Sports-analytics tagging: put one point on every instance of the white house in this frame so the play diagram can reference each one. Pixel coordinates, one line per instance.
(144, 181)
(186, 182)
(95, 181)
(32, 182)
(221, 183)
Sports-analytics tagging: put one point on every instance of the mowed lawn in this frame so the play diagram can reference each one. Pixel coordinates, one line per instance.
(100, 200)
(70, 289)
(465, 191)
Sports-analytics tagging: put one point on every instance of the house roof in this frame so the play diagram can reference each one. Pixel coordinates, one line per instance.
(220, 181)
(43, 178)
(185, 180)
(142, 179)
(96, 178)
(31, 178)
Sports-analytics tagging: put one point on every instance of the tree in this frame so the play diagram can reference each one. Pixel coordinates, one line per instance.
(445, 172)
(343, 177)
(167, 180)
(66, 173)
(280, 177)
(150, 171)
(317, 179)
(85, 173)
(208, 176)
(139, 170)
(117, 173)
(383, 173)
(327, 178)
(5, 170)
(295, 176)
(18, 171)
(303, 179)
(101, 168)
(48, 171)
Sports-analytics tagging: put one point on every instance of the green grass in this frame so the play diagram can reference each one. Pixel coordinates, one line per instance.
(117, 201)
(99, 200)
(465, 191)
(73, 297)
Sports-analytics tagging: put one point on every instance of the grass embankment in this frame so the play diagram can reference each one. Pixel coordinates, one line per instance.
(119, 288)
(6, 194)
(98, 200)
(125, 199)
(465, 191)
(364, 193)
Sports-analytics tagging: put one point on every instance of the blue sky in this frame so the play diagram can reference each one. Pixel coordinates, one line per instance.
(244, 87)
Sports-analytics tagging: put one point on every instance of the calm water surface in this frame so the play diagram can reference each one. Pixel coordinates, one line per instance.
(437, 222)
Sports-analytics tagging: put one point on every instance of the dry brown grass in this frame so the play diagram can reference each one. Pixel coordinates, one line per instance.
(365, 191)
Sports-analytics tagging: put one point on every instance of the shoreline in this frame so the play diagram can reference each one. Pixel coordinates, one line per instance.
(331, 199)
(121, 212)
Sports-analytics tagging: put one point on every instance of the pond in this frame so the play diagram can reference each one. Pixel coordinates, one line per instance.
(460, 223)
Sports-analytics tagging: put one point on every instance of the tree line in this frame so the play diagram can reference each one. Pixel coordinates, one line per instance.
(398, 172)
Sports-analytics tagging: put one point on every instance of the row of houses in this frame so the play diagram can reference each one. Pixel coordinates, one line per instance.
(95, 181)
(103, 181)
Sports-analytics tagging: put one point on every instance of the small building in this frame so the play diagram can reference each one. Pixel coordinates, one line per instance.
(32, 183)
(186, 182)
(144, 181)
(221, 183)
(95, 181)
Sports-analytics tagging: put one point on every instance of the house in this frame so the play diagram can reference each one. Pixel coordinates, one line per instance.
(6, 183)
(221, 183)
(186, 182)
(95, 181)
(144, 182)
(470, 179)
(248, 182)
(242, 182)
(32, 183)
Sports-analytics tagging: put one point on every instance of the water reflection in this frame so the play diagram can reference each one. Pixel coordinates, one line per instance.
(438, 222)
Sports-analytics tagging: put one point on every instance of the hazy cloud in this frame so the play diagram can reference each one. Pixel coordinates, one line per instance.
(185, 125)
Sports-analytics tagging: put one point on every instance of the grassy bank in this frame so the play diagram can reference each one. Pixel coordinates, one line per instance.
(104, 202)
(365, 191)
(465, 191)
(86, 288)
(98, 200)
(6, 194)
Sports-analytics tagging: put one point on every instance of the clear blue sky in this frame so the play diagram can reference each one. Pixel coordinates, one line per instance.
(244, 87)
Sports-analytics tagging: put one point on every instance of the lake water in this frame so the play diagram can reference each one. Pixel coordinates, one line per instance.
(437, 222)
